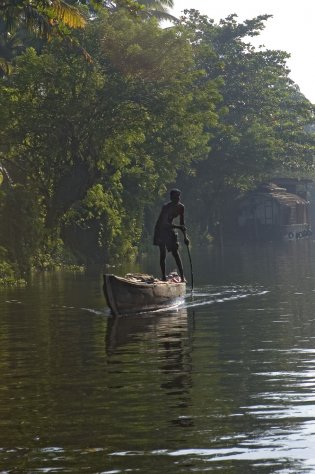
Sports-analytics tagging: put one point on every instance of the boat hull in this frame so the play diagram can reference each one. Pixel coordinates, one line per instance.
(124, 296)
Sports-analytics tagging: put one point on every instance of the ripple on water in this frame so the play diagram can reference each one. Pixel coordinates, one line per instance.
(209, 387)
(211, 294)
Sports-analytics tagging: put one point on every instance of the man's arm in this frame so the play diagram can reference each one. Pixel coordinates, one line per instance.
(182, 215)
(181, 225)
(160, 219)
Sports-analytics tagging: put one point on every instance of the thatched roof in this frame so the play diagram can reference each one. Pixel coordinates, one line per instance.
(279, 194)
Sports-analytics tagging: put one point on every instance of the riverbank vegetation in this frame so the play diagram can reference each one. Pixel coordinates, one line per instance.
(100, 117)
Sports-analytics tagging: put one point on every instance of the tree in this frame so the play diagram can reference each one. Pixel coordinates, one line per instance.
(21, 20)
(42, 17)
(158, 9)
(262, 125)
(95, 142)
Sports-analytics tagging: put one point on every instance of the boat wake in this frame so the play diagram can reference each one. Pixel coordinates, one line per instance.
(104, 312)
(220, 294)
(201, 296)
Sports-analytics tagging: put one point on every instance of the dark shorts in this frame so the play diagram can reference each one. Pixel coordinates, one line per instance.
(169, 239)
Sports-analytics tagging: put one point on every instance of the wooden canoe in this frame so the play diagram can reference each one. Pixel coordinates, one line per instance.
(123, 295)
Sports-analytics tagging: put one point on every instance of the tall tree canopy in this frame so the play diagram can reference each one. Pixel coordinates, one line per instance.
(88, 147)
(262, 130)
(95, 142)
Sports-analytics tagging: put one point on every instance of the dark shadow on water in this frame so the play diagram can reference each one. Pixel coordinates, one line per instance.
(122, 330)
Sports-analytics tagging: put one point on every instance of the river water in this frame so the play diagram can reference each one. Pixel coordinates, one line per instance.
(226, 383)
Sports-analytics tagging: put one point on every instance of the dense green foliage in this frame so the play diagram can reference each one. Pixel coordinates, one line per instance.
(262, 132)
(88, 147)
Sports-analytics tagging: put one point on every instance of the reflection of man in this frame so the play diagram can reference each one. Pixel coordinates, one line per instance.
(164, 235)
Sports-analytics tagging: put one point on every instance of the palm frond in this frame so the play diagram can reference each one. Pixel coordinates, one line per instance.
(5, 67)
(41, 16)
(68, 14)
(157, 4)
(160, 15)
(37, 22)
(158, 9)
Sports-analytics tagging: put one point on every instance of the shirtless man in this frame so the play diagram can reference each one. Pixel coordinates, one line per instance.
(164, 235)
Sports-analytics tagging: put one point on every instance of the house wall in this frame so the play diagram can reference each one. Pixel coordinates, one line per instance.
(263, 217)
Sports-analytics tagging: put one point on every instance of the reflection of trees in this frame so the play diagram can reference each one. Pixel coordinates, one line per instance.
(122, 330)
(167, 339)
(287, 272)
(47, 349)
(259, 374)
(175, 361)
(234, 381)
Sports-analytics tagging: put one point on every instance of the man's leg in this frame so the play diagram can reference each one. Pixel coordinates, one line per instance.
(162, 261)
(179, 264)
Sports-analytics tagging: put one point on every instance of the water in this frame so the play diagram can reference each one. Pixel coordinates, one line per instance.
(226, 383)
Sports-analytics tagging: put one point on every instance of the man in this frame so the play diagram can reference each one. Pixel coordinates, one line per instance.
(164, 235)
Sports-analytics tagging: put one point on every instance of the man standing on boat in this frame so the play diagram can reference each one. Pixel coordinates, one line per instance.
(164, 234)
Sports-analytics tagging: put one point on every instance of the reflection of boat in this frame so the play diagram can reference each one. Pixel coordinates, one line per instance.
(122, 330)
(130, 295)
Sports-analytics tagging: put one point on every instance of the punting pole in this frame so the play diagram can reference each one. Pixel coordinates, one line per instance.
(191, 267)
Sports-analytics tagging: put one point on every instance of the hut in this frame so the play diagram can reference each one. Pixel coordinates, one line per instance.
(272, 213)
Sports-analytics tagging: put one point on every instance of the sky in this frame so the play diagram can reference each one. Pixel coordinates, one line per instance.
(290, 29)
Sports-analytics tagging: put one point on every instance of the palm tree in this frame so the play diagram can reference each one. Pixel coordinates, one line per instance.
(42, 17)
(159, 9)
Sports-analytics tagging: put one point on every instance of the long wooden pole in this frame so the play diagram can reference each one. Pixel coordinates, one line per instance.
(191, 267)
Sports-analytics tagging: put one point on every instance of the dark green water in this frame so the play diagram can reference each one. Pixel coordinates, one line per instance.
(225, 384)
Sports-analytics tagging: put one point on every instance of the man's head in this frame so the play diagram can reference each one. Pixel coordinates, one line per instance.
(175, 195)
